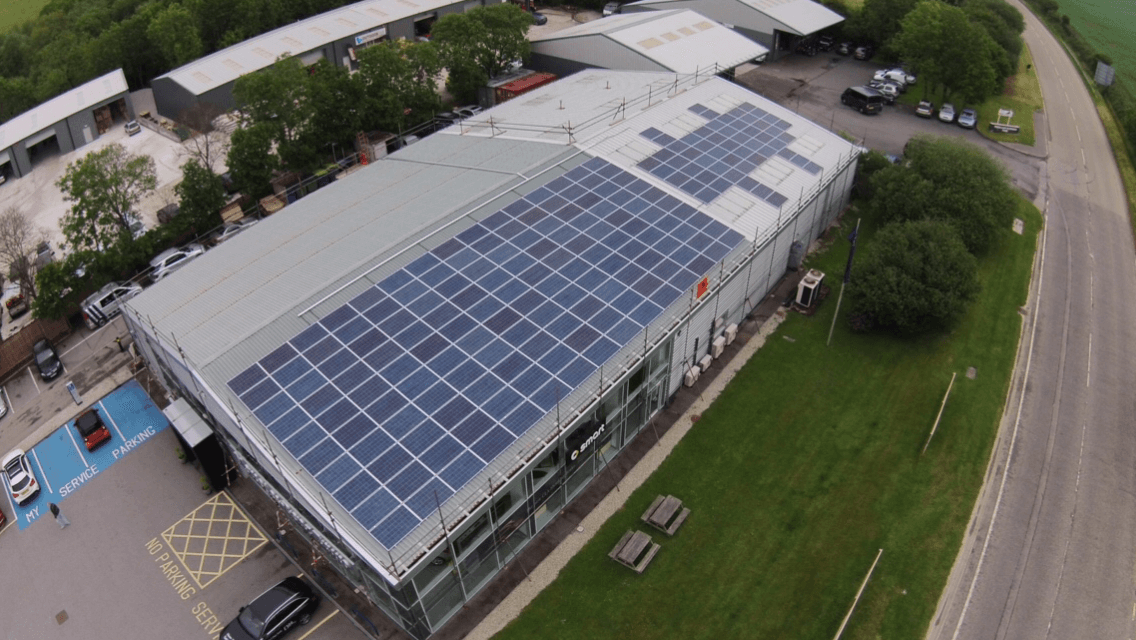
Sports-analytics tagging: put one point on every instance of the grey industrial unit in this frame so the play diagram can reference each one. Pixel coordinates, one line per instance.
(776, 24)
(334, 36)
(64, 123)
(681, 41)
(423, 363)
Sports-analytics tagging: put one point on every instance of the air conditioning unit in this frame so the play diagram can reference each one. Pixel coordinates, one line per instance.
(719, 321)
(718, 346)
(704, 363)
(691, 376)
(731, 333)
(808, 289)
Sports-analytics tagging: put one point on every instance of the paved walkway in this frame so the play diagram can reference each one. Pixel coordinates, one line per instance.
(550, 567)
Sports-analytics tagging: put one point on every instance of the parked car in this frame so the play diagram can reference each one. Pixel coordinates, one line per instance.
(866, 100)
(824, 43)
(468, 111)
(968, 118)
(889, 90)
(807, 46)
(446, 118)
(864, 52)
(611, 9)
(133, 127)
(539, 19)
(17, 305)
(20, 477)
(3, 406)
(926, 109)
(92, 429)
(230, 229)
(845, 48)
(134, 223)
(106, 303)
(895, 76)
(274, 612)
(46, 360)
(171, 260)
(947, 113)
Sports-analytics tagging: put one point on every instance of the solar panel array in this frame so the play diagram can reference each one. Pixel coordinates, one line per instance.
(397, 399)
(721, 153)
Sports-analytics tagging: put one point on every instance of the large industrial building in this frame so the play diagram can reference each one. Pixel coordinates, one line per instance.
(777, 24)
(680, 41)
(424, 362)
(335, 36)
(63, 124)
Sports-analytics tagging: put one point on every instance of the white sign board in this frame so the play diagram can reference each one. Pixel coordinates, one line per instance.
(1105, 74)
(370, 36)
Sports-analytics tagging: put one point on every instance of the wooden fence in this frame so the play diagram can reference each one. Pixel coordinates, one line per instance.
(16, 351)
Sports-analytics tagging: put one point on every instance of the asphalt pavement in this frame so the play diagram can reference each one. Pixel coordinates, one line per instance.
(1050, 551)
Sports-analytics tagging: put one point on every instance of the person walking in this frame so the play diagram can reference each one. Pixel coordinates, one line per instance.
(59, 517)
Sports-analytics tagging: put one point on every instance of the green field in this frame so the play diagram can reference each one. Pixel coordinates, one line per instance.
(1110, 25)
(14, 12)
(806, 465)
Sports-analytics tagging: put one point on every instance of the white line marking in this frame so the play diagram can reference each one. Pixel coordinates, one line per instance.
(1010, 449)
(1089, 366)
(77, 447)
(31, 374)
(112, 422)
(318, 625)
(41, 472)
(93, 334)
(1083, 160)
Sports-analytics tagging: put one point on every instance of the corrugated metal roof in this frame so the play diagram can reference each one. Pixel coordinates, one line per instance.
(300, 37)
(801, 17)
(60, 107)
(682, 41)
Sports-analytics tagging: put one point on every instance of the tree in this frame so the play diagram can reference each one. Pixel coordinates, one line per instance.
(398, 86)
(949, 51)
(916, 277)
(251, 160)
(60, 289)
(174, 32)
(878, 20)
(103, 187)
(480, 44)
(949, 180)
(206, 145)
(19, 239)
(201, 194)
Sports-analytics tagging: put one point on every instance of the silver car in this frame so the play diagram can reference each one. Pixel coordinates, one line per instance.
(105, 303)
(230, 229)
(947, 113)
(171, 260)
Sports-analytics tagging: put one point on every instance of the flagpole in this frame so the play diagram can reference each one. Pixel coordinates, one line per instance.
(847, 275)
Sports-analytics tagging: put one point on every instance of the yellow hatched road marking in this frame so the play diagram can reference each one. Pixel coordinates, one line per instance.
(213, 538)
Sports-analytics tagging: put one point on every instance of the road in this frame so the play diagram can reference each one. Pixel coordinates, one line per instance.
(1051, 549)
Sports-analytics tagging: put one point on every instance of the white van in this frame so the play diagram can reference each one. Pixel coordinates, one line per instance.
(101, 306)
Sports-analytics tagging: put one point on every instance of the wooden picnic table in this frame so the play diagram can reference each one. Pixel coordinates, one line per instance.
(630, 547)
(661, 514)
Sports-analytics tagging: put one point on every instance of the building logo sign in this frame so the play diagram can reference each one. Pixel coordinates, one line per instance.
(703, 287)
(370, 36)
(584, 438)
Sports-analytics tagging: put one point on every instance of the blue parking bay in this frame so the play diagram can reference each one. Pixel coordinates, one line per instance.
(62, 463)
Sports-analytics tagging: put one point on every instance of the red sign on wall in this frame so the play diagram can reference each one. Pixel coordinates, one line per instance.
(703, 287)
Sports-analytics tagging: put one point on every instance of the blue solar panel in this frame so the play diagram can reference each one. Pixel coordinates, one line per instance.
(425, 378)
(712, 158)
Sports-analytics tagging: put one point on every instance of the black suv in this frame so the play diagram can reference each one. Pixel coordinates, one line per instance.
(270, 616)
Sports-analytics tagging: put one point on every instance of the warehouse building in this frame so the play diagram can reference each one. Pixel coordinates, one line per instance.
(423, 363)
(335, 36)
(680, 41)
(63, 124)
(777, 24)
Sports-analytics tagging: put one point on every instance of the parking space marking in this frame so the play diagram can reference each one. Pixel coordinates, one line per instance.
(78, 449)
(42, 477)
(318, 625)
(84, 340)
(111, 420)
(213, 538)
(32, 376)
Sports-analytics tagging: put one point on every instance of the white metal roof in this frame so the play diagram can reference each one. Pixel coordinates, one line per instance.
(801, 17)
(680, 40)
(60, 107)
(257, 53)
(605, 113)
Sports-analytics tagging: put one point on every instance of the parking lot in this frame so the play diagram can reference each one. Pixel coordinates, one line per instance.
(811, 86)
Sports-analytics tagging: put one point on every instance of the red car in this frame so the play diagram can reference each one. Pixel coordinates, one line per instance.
(90, 426)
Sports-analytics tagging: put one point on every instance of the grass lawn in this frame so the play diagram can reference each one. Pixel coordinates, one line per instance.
(14, 12)
(1023, 95)
(806, 465)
